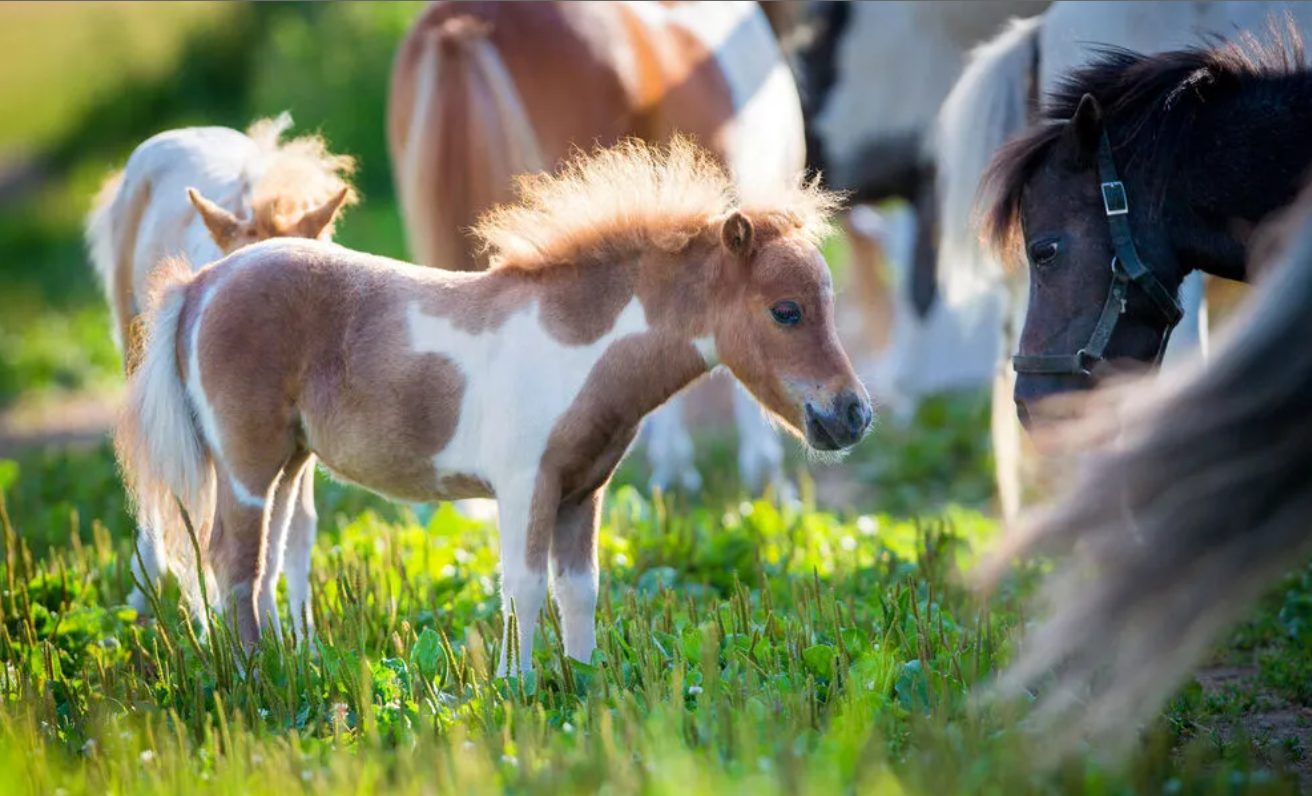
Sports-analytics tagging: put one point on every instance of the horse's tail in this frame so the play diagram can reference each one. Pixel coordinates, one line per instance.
(161, 451)
(466, 136)
(1201, 503)
(111, 236)
(987, 106)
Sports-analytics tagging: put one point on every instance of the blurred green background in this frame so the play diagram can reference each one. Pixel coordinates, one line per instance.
(81, 84)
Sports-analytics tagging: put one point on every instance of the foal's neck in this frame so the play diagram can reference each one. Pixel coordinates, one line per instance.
(1247, 158)
(638, 372)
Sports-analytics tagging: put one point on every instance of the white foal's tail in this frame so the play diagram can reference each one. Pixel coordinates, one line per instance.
(987, 106)
(104, 249)
(160, 449)
(100, 232)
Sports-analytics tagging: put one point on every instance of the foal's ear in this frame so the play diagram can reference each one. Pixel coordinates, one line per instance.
(224, 227)
(736, 234)
(315, 221)
(1086, 124)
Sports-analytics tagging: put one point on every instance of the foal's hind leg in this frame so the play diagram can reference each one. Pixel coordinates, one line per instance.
(147, 564)
(296, 560)
(247, 492)
(281, 517)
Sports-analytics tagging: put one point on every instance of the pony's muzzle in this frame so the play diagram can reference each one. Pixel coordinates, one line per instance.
(841, 424)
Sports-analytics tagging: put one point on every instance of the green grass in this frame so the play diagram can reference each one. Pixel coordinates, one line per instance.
(743, 648)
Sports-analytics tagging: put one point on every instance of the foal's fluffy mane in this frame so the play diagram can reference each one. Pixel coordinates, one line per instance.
(1148, 102)
(294, 175)
(636, 195)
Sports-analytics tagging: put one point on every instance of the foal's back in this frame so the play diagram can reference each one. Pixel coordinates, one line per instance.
(304, 345)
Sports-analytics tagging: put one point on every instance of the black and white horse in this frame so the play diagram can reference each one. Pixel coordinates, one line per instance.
(868, 132)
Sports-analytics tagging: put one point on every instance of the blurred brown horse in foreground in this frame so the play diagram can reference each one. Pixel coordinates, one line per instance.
(1198, 500)
(482, 92)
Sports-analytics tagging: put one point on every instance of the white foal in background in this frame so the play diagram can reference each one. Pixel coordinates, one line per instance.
(990, 104)
(610, 288)
(200, 193)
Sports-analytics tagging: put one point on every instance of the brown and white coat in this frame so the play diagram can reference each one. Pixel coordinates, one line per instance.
(613, 286)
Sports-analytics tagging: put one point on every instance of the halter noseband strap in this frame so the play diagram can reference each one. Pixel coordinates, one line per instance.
(1127, 269)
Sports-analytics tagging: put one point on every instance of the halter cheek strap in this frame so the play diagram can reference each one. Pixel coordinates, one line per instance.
(1127, 269)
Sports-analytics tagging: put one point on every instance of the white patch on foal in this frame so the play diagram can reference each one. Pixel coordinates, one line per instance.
(519, 382)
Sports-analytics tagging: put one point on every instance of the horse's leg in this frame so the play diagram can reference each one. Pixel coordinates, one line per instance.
(1190, 333)
(248, 495)
(147, 564)
(760, 452)
(574, 577)
(296, 561)
(1006, 442)
(669, 449)
(527, 510)
(1008, 445)
(281, 511)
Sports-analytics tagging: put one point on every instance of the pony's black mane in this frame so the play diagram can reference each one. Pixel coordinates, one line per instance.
(1148, 102)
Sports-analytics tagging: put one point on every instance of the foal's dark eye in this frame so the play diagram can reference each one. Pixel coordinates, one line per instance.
(786, 313)
(1044, 250)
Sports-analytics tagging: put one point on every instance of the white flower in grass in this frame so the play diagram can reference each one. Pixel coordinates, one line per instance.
(694, 690)
(147, 756)
(867, 525)
(567, 728)
(847, 543)
(621, 560)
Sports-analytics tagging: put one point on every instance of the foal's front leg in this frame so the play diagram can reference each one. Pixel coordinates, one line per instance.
(527, 510)
(574, 574)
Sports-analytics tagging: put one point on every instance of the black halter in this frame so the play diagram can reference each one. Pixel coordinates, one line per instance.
(1127, 269)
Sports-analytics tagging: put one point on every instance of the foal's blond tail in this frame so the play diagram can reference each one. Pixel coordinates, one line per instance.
(163, 455)
(468, 134)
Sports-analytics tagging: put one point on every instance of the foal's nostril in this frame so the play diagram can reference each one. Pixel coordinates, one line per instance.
(854, 413)
(856, 416)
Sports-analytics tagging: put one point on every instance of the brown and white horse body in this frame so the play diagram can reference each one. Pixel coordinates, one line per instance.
(484, 91)
(525, 383)
(243, 187)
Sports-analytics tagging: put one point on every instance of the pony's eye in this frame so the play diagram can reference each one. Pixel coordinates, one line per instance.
(1044, 250)
(786, 313)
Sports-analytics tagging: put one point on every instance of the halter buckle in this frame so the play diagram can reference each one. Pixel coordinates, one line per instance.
(1114, 200)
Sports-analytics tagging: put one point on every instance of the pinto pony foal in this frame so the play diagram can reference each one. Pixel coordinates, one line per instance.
(612, 286)
(242, 188)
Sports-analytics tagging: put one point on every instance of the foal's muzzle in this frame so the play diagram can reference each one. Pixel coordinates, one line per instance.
(841, 424)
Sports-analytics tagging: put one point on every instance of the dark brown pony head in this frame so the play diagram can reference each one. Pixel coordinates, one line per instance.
(1180, 127)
